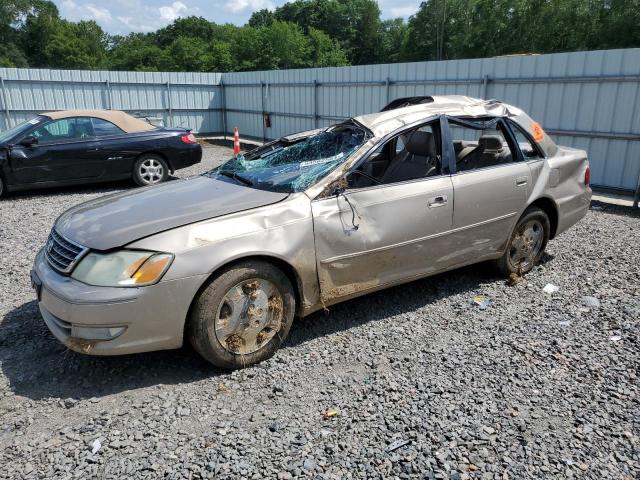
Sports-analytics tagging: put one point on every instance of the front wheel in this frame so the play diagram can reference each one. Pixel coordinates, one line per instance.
(150, 169)
(527, 242)
(243, 316)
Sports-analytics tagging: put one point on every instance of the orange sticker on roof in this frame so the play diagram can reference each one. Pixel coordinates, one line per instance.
(538, 133)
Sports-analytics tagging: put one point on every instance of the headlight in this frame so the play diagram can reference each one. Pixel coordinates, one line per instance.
(124, 268)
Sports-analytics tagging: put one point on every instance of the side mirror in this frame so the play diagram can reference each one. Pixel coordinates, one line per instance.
(29, 141)
(339, 186)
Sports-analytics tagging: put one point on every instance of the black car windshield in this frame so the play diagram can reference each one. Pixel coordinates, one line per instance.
(18, 129)
(286, 166)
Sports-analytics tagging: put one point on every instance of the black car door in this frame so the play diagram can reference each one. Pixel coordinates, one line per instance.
(117, 148)
(66, 149)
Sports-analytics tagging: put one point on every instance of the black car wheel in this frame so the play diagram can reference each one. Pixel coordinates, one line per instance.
(243, 315)
(150, 169)
(1, 186)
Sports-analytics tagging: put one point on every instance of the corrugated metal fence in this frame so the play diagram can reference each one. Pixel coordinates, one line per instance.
(587, 100)
(180, 99)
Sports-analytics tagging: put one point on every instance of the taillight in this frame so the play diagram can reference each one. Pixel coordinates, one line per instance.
(189, 138)
(587, 176)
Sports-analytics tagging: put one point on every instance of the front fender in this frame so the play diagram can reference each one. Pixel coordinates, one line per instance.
(283, 231)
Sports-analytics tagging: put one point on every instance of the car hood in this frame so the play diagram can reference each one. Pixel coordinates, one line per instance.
(119, 219)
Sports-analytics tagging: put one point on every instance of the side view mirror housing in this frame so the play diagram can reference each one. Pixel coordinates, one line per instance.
(339, 186)
(29, 141)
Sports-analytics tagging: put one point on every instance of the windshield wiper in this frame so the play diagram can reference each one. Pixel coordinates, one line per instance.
(237, 177)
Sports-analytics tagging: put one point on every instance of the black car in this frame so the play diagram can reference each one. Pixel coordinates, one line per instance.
(85, 146)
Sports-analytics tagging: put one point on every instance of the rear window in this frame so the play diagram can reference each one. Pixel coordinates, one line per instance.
(103, 128)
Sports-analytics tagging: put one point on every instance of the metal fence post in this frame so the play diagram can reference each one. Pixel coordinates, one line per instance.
(5, 103)
(388, 87)
(109, 100)
(485, 82)
(169, 103)
(315, 104)
(264, 128)
(223, 101)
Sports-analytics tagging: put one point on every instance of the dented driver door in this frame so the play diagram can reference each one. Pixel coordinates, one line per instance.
(372, 237)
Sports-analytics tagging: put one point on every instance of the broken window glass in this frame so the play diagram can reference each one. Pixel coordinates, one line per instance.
(293, 167)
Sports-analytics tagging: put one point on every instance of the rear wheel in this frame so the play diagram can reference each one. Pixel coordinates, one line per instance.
(150, 169)
(527, 243)
(243, 316)
(1, 186)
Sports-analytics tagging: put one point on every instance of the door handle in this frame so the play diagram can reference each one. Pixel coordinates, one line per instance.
(521, 181)
(437, 201)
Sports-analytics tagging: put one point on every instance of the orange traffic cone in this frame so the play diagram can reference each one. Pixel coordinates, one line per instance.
(236, 142)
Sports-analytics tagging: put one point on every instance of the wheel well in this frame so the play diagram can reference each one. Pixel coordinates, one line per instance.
(159, 154)
(549, 207)
(286, 268)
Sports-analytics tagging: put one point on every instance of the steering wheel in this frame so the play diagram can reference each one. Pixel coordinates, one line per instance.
(43, 134)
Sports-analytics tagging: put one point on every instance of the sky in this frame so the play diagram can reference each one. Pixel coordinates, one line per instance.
(124, 16)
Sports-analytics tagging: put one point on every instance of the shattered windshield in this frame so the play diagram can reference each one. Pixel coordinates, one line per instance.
(294, 166)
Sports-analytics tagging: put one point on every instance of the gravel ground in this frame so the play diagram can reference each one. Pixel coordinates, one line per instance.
(423, 382)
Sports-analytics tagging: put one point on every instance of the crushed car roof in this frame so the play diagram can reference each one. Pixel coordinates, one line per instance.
(391, 119)
(123, 120)
(454, 105)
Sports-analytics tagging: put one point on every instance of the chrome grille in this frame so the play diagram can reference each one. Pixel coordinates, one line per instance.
(62, 254)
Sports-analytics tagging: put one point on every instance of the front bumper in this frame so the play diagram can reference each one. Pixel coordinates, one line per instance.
(137, 320)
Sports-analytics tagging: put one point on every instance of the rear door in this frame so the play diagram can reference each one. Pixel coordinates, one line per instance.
(66, 150)
(491, 186)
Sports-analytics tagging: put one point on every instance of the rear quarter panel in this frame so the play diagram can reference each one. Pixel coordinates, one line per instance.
(560, 178)
(122, 151)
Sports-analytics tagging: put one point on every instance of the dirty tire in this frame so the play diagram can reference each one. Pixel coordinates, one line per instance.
(201, 328)
(532, 217)
(150, 169)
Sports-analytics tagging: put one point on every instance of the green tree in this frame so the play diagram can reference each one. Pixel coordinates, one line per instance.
(79, 45)
(25, 26)
(304, 33)
(620, 24)
(324, 51)
(12, 56)
(261, 18)
(393, 39)
(190, 27)
(355, 24)
(222, 57)
(248, 48)
(284, 46)
(137, 52)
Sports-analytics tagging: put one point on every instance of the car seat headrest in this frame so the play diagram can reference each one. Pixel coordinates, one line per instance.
(490, 143)
(421, 143)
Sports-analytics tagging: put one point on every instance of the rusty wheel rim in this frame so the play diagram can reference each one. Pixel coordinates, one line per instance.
(526, 244)
(249, 316)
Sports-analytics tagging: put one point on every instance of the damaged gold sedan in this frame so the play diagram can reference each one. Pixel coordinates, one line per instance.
(229, 258)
